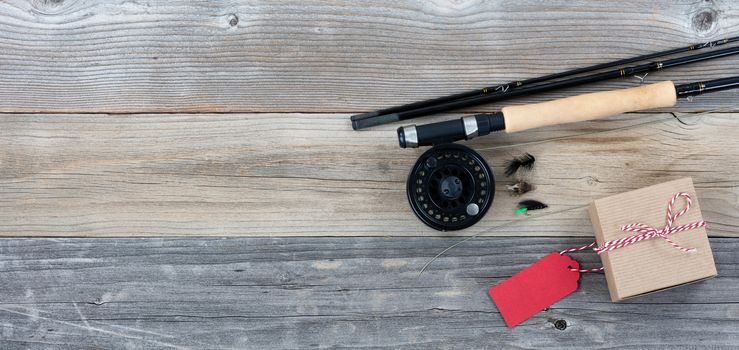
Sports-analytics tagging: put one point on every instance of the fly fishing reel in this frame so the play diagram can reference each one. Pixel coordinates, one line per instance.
(450, 187)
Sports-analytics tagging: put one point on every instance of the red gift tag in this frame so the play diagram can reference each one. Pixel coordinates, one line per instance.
(535, 288)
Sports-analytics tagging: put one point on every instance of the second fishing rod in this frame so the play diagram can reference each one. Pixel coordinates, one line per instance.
(590, 106)
(373, 120)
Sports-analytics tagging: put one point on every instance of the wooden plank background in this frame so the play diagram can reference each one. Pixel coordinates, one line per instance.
(325, 56)
(85, 153)
(298, 174)
(230, 119)
(332, 293)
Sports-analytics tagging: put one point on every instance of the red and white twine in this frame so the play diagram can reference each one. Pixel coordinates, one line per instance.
(646, 232)
(570, 250)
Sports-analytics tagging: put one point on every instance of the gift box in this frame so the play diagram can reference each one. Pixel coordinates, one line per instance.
(641, 250)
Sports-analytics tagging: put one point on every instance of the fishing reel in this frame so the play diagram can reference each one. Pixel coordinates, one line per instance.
(450, 187)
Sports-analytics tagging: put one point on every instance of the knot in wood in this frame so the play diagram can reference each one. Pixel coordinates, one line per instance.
(704, 21)
(49, 7)
(233, 20)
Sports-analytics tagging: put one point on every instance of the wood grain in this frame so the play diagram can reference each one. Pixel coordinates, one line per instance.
(311, 175)
(230, 118)
(68, 56)
(330, 292)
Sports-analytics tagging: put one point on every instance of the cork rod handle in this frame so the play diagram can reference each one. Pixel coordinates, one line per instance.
(591, 106)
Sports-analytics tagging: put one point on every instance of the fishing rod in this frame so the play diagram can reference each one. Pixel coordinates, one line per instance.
(566, 110)
(621, 72)
(451, 187)
(506, 91)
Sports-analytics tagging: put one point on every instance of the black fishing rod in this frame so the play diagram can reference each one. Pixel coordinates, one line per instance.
(504, 91)
(566, 110)
(566, 83)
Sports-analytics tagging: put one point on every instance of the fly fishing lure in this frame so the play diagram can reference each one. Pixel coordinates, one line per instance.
(525, 162)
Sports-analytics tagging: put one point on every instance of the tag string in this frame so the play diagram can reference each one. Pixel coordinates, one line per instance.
(570, 250)
(646, 232)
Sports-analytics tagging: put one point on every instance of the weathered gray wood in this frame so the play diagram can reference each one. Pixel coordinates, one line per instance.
(297, 174)
(326, 56)
(331, 292)
(69, 169)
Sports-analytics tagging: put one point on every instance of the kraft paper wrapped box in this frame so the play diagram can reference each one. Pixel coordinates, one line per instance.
(651, 265)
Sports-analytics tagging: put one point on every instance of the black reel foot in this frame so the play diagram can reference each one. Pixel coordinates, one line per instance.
(450, 187)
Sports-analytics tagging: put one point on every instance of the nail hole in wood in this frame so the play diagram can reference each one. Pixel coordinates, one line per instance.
(560, 324)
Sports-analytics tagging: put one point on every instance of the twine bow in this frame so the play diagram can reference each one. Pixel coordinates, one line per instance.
(648, 232)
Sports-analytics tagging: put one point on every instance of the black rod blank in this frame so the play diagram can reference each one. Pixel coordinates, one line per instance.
(699, 88)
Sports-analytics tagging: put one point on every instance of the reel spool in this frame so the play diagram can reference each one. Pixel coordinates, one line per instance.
(450, 187)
